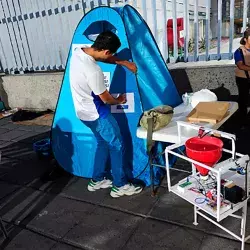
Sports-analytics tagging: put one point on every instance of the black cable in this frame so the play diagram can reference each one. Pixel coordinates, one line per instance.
(199, 183)
(246, 181)
(205, 134)
(159, 154)
(147, 165)
(153, 158)
(181, 152)
(212, 176)
(234, 156)
(142, 171)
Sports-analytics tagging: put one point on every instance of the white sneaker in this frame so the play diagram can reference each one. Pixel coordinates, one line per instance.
(95, 185)
(128, 189)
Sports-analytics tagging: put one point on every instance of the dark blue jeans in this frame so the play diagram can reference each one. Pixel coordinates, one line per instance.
(109, 142)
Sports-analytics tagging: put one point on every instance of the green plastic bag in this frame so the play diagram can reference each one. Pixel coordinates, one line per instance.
(162, 115)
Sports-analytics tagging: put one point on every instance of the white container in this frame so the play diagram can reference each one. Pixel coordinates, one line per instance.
(203, 95)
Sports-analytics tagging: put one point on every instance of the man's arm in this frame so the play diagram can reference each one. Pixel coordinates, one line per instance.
(242, 66)
(115, 60)
(238, 57)
(96, 84)
(106, 97)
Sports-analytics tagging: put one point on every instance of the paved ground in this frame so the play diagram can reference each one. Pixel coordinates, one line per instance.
(62, 214)
(225, 46)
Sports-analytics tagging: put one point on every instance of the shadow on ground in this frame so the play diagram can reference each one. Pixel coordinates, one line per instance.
(44, 208)
(27, 181)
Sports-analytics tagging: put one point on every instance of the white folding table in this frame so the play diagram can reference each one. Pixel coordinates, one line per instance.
(170, 132)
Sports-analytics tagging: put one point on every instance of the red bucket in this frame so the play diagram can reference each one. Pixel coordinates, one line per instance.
(207, 150)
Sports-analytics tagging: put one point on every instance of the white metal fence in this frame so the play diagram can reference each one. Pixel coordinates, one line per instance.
(35, 34)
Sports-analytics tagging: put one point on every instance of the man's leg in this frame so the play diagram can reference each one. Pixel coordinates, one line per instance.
(110, 132)
(101, 156)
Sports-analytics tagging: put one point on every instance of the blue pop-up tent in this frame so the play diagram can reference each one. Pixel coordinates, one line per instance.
(72, 142)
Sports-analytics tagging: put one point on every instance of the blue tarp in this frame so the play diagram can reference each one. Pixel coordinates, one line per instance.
(73, 143)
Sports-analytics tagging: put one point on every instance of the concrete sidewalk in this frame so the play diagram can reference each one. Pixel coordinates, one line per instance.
(62, 214)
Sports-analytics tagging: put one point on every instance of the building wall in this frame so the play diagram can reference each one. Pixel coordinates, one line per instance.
(40, 91)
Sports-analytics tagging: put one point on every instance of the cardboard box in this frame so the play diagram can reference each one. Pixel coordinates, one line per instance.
(211, 112)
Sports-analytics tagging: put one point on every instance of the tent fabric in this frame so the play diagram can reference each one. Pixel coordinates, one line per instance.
(72, 142)
(153, 75)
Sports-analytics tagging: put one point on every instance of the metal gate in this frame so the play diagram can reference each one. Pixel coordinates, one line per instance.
(35, 34)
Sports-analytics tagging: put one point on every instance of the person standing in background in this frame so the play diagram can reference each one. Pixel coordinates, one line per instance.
(242, 74)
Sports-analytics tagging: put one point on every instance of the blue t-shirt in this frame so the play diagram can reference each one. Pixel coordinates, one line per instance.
(237, 56)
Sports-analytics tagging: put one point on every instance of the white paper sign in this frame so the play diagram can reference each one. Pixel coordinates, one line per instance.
(107, 79)
(128, 107)
(181, 33)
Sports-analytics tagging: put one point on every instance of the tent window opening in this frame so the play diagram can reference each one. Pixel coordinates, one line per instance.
(98, 27)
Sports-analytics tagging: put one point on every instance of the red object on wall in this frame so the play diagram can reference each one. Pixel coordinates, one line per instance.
(180, 31)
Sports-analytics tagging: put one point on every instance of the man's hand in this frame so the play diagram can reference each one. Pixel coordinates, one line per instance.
(121, 99)
(131, 66)
(106, 97)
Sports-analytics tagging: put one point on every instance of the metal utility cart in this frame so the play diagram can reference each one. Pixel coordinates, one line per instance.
(217, 208)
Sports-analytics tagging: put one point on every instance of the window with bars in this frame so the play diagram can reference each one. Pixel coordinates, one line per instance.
(238, 10)
(226, 10)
